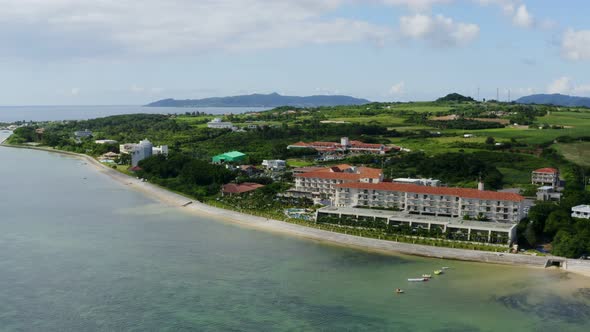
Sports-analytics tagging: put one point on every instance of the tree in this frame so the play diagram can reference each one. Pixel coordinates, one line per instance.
(539, 213)
(490, 140)
(530, 234)
(556, 221)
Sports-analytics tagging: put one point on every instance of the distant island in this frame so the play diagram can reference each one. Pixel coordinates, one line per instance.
(261, 100)
(555, 99)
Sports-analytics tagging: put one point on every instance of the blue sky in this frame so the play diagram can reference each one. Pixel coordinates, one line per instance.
(72, 52)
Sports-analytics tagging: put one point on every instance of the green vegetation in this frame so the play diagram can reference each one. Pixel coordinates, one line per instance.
(578, 153)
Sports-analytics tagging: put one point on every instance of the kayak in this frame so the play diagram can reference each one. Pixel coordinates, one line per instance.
(437, 272)
(399, 291)
(417, 279)
(445, 267)
(427, 276)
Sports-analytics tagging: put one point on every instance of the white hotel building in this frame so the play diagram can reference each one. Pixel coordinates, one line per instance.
(432, 201)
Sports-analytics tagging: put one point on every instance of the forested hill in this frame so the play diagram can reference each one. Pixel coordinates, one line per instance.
(555, 99)
(261, 100)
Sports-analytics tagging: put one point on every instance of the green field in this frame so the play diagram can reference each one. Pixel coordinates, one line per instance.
(578, 153)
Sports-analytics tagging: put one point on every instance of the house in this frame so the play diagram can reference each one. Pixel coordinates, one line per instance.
(433, 201)
(345, 145)
(249, 170)
(110, 156)
(232, 157)
(321, 183)
(83, 133)
(275, 165)
(546, 177)
(236, 189)
(581, 211)
(217, 123)
(548, 193)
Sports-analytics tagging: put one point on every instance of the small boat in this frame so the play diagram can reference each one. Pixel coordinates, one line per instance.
(438, 272)
(417, 279)
(399, 291)
(445, 267)
(427, 276)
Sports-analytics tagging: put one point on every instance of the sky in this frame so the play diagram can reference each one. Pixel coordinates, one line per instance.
(131, 52)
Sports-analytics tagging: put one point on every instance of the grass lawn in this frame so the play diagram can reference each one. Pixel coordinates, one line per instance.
(299, 162)
(578, 153)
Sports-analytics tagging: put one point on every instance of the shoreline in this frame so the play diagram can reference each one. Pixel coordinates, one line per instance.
(195, 207)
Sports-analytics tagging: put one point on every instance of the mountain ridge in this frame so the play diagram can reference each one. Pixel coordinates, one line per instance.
(262, 100)
(555, 99)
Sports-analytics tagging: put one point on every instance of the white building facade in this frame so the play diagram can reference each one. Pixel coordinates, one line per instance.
(217, 123)
(434, 201)
(546, 177)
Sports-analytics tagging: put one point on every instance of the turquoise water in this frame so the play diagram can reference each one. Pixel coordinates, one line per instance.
(79, 252)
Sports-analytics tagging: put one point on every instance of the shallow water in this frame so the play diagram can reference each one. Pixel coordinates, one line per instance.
(79, 252)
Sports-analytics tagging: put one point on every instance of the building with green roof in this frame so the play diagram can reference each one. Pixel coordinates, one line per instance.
(232, 157)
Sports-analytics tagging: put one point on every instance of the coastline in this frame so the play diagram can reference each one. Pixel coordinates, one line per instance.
(194, 207)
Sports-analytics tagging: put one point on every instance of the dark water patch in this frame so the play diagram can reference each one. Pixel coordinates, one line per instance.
(551, 308)
(457, 328)
(583, 293)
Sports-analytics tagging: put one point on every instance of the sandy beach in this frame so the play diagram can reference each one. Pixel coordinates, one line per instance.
(197, 208)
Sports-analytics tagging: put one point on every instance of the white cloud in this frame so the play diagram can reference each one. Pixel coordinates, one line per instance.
(575, 45)
(565, 85)
(416, 5)
(181, 26)
(522, 17)
(439, 30)
(398, 89)
(561, 85)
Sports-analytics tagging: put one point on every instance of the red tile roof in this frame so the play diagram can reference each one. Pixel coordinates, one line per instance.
(232, 188)
(341, 172)
(412, 188)
(547, 170)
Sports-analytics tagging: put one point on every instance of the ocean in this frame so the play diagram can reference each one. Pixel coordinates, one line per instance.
(10, 114)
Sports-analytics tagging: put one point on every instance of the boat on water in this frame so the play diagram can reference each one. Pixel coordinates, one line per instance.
(445, 267)
(427, 276)
(438, 272)
(399, 291)
(417, 279)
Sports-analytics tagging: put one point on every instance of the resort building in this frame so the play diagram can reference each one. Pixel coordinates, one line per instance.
(231, 157)
(143, 150)
(321, 183)
(433, 201)
(419, 182)
(217, 123)
(345, 145)
(581, 211)
(451, 228)
(546, 177)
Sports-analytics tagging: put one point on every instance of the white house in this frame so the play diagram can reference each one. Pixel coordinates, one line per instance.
(217, 123)
(143, 150)
(581, 211)
(274, 164)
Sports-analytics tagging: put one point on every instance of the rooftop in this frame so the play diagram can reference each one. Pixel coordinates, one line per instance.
(404, 216)
(343, 172)
(233, 188)
(460, 192)
(546, 170)
(581, 208)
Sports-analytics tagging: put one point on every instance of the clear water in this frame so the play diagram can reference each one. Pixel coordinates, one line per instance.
(53, 113)
(79, 252)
